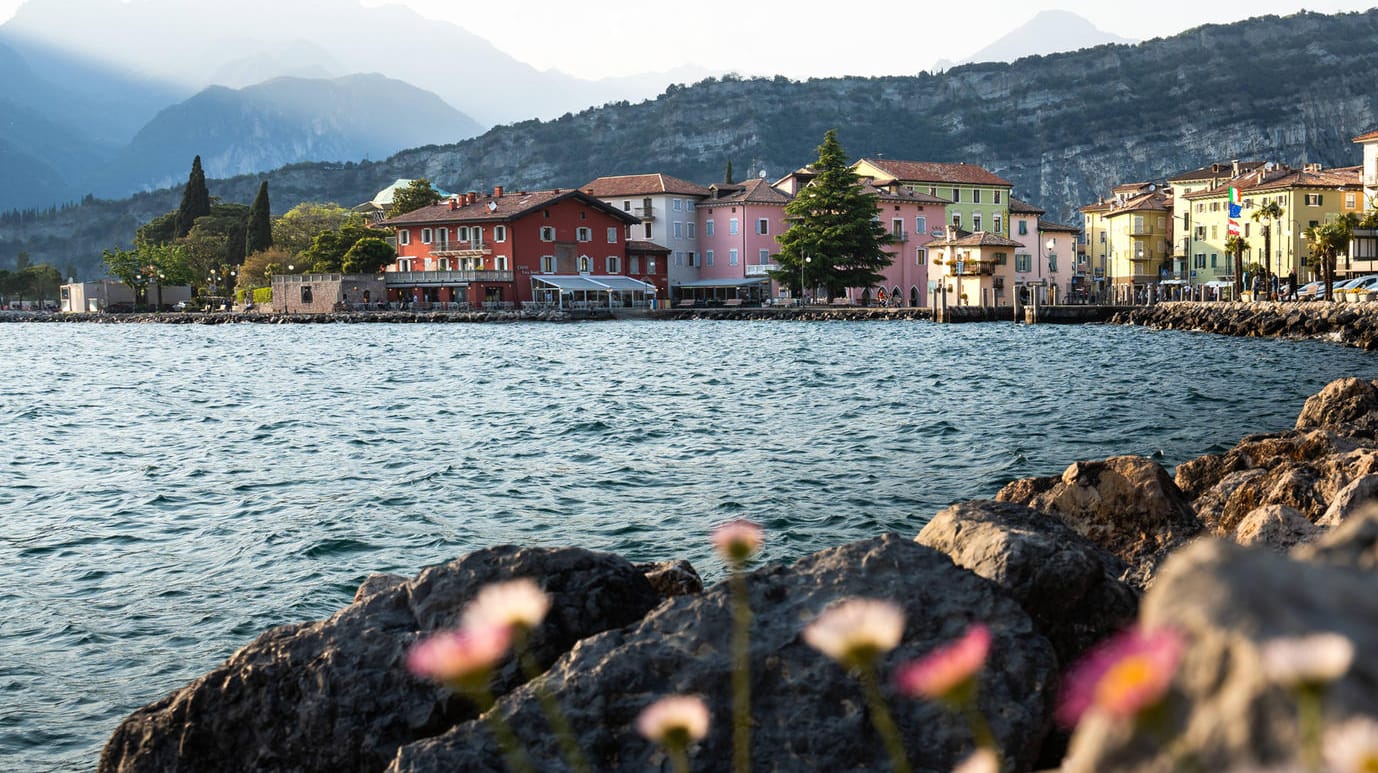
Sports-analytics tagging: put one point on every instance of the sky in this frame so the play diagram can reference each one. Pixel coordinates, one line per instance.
(780, 37)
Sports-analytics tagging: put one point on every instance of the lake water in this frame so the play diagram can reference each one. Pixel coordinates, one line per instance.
(168, 492)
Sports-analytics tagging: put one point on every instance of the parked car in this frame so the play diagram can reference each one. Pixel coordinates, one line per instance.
(1311, 291)
(1358, 288)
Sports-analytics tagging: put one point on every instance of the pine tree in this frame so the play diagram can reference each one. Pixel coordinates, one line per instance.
(196, 200)
(834, 235)
(727, 176)
(259, 233)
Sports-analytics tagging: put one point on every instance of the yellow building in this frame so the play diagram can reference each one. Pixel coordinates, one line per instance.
(1307, 196)
(976, 268)
(1192, 261)
(1129, 241)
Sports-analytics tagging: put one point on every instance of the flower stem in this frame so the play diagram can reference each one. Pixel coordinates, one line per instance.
(980, 729)
(880, 717)
(1309, 720)
(679, 758)
(507, 740)
(741, 672)
(564, 734)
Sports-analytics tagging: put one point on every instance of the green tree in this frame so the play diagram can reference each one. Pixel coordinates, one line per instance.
(727, 174)
(368, 255)
(298, 226)
(258, 235)
(258, 269)
(160, 230)
(1235, 245)
(196, 200)
(418, 194)
(41, 281)
(1327, 242)
(833, 235)
(1268, 214)
(157, 264)
(327, 251)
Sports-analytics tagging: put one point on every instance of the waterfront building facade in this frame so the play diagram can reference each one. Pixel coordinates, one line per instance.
(978, 200)
(1197, 259)
(1369, 142)
(976, 269)
(1131, 236)
(910, 217)
(506, 249)
(667, 208)
(1057, 255)
(738, 224)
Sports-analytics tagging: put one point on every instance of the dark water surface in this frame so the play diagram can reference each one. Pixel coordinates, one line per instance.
(168, 492)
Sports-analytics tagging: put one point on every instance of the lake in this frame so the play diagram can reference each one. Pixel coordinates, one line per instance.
(170, 491)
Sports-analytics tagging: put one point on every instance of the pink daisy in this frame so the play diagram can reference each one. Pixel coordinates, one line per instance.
(942, 673)
(1122, 676)
(738, 540)
(461, 659)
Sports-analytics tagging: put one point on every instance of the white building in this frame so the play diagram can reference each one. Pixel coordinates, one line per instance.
(666, 206)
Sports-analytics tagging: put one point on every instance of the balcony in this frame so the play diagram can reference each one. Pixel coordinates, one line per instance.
(1138, 230)
(761, 269)
(973, 268)
(443, 278)
(647, 214)
(460, 250)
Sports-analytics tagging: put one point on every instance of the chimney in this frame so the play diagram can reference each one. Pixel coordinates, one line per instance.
(454, 204)
(1215, 169)
(470, 198)
(951, 232)
(1234, 166)
(1312, 168)
(497, 191)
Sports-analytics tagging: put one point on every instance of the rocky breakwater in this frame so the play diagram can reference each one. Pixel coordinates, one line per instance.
(1353, 324)
(1267, 542)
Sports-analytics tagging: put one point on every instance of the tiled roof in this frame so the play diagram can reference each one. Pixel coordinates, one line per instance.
(1021, 207)
(507, 207)
(753, 191)
(977, 239)
(1151, 201)
(1214, 171)
(634, 245)
(904, 195)
(1285, 178)
(1048, 225)
(641, 185)
(936, 172)
(1367, 136)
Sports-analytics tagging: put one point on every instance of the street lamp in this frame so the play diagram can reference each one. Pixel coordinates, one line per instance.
(807, 260)
(1052, 268)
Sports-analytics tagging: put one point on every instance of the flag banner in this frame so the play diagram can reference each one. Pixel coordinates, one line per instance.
(1233, 229)
(1234, 195)
(1236, 211)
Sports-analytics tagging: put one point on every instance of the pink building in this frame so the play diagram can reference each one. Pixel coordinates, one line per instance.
(737, 228)
(911, 218)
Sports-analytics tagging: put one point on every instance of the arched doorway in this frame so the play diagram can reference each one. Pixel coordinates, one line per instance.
(914, 295)
(895, 298)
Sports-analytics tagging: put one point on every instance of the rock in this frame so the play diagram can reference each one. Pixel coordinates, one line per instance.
(1278, 527)
(1126, 504)
(1358, 495)
(335, 695)
(1352, 543)
(1348, 402)
(807, 712)
(1069, 586)
(1222, 713)
(672, 578)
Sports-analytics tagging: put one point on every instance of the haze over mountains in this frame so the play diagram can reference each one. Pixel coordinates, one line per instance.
(1047, 32)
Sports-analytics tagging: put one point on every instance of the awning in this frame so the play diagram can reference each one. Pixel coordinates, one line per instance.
(725, 282)
(595, 283)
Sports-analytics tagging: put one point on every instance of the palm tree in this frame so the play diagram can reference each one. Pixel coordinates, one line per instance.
(1327, 241)
(1235, 245)
(1271, 212)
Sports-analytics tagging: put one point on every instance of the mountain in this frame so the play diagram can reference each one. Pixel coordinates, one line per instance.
(1048, 32)
(1064, 128)
(284, 121)
(212, 39)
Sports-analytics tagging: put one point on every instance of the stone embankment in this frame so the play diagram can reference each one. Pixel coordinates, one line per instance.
(1353, 324)
(1273, 538)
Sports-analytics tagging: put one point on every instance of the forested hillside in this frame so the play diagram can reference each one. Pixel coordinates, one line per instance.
(1064, 127)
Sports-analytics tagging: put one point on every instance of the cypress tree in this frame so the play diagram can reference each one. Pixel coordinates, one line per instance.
(196, 200)
(259, 234)
(727, 176)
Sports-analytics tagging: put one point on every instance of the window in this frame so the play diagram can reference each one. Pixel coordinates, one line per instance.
(678, 228)
(584, 234)
(1200, 260)
(583, 215)
(442, 237)
(1246, 230)
(1314, 199)
(585, 264)
(732, 258)
(921, 225)
(976, 222)
(547, 264)
(679, 258)
(897, 227)
(1001, 258)
(306, 293)
(1213, 257)
(1215, 232)
(920, 256)
(688, 205)
(1023, 262)
(1052, 263)
(476, 236)
(647, 228)
(995, 196)
(708, 258)
(692, 258)
(679, 205)
(975, 195)
(404, 236)
(547, 233)
(635, 262)
(762, 226)
(626, 206)
(689, 229)
(650, 264)
(1023, 228)
(708, 228)
(499, 233)
(614, 264)
(1349, 201)
(763, 258)
(956, 195)
(612, 234)
(425, 236)
(998, 224)
(733, 228)
(1200, 237)
(957, 219)
(500, 263)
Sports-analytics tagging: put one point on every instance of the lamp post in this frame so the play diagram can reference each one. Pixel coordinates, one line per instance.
(1052, 258)
(807, 260)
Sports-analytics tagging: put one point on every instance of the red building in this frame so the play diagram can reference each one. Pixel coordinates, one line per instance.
(558, 246)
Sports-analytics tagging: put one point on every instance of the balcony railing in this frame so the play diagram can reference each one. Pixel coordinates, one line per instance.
(460, 250)
(647, 214)
(411, 278)
(761, 269)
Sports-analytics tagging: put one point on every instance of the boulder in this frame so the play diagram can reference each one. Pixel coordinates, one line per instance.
(1346, 402)
(335, 695)
(807, 712)
(1352, 543)
(1222, 713)
(1126, 504)
(1277, 527)
(672, 578)
(1069, 586)
(1359, 495)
